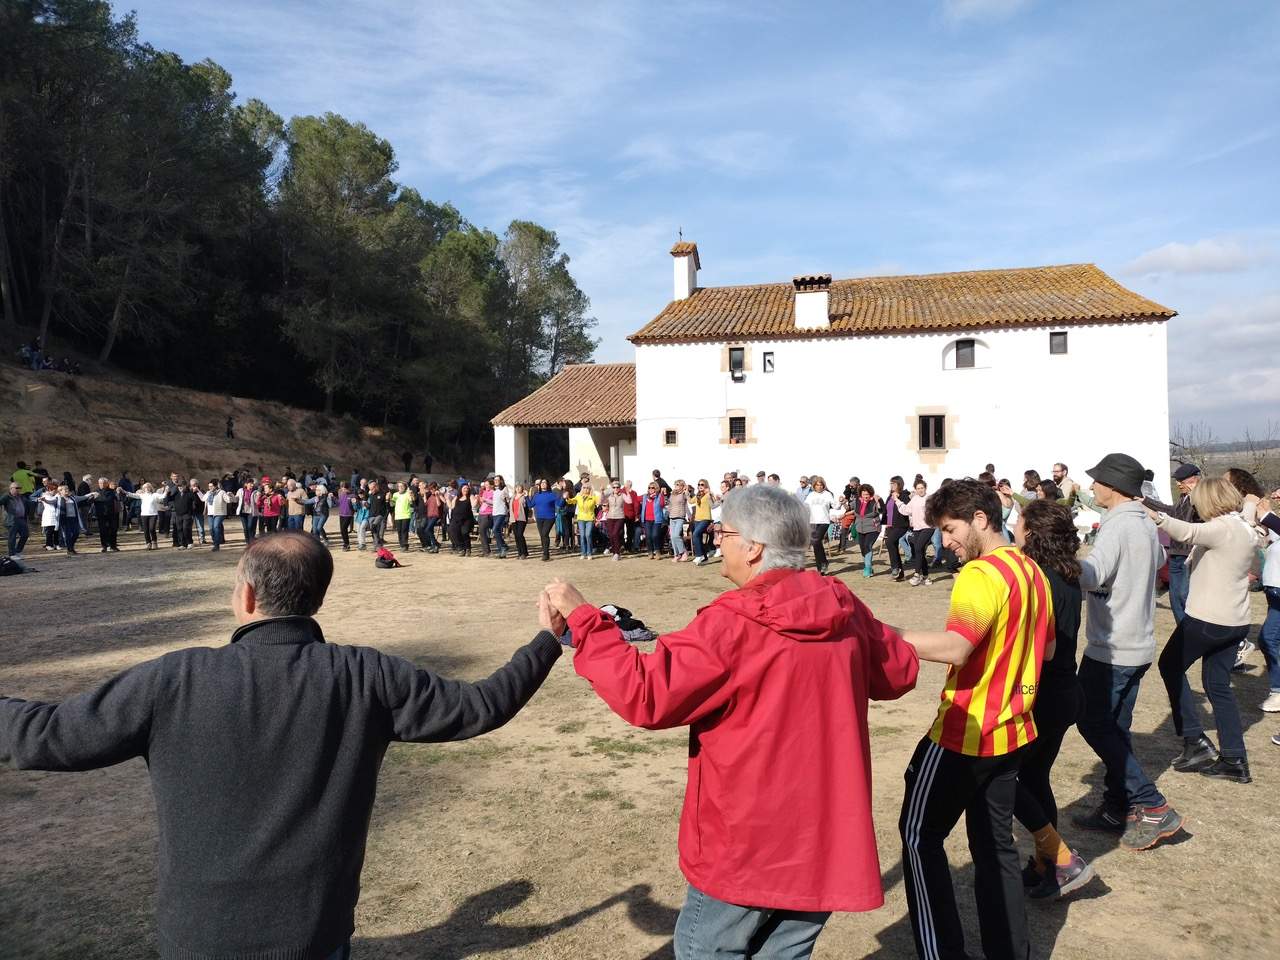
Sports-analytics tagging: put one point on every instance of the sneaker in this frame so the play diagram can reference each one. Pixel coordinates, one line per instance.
(1034, 872)
(1147, 826)
(617, 556)
(1235, 769)
(926, 582)
(1101, 818)
(1060, 881)
(1197, 753)
(1242, 654)
(103, 550)
(1276, 739)
(916, 580)
(898, 577)
(717, 553)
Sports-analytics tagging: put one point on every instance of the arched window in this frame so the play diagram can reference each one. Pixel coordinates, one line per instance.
(965, 353)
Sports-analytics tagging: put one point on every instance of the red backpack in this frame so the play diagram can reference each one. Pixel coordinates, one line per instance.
(385, 559)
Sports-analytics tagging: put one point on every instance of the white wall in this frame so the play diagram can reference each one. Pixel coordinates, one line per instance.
(511, 453)
(845, 406)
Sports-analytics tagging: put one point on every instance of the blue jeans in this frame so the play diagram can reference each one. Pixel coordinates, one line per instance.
(653, 536)
(318, 521)
(18, 533)
(295, 523)
(499, 522)
(215, 531)
(584, 534)
(429, 532)
(699, 528)
(199, 519)
(677, 537)
(708, 928)
(1269, 637)
(937, 544)
(342, 953)
(1179, 586)
(70, 527)
(248, 523)
(1110, 692)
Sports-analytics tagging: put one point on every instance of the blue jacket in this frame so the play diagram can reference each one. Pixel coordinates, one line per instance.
(544, 504)
(659, 508)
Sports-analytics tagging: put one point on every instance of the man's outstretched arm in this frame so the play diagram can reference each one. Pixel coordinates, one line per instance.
(87, 731)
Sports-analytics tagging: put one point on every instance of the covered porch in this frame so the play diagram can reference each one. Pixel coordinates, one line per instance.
(594, 402)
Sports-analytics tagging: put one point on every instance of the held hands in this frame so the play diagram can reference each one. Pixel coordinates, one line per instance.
(549, 617)
(563, 596)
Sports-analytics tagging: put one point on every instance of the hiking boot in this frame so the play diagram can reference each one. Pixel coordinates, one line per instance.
(1101, 818)
(1229, 768)
(1197, 753)
(1060, 881)
(1147, 826)
(1034, 872)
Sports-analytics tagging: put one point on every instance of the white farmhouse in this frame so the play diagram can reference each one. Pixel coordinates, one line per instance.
(937, 374)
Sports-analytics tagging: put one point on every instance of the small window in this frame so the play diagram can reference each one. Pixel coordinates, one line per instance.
(737, 429)
(933, 432)
(1058, 342)
(964, 354)
(737, 362)
(669, 438)
(768, 362)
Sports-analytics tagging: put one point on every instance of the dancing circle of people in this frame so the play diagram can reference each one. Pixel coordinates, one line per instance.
(773, 679)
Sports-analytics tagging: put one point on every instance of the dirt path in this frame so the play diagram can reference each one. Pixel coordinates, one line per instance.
(555, 837)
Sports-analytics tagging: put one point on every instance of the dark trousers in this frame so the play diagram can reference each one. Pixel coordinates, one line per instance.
(165, 520)
(614, 529)
(867, 542)
(402, 532)
(1179, 586)
(942, 785)
(149, 530)
(182, 530)
(429, 533)
(920, 539)
(1215, 646)
(544, 534)
(50, 536)
(18, 533)
(107, 527)
(70, 532)
(517, 533)
(344, 531)
(1110, 692)
(378, 527)
(248, 522)
(632, 526)
(1055, 713)
(486, 525)
(817, 538)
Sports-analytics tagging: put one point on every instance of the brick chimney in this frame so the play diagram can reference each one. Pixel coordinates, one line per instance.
(813, 301)
(687, 265)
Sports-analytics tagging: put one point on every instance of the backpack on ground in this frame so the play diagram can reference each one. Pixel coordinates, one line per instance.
(10, 567)
(384, 559)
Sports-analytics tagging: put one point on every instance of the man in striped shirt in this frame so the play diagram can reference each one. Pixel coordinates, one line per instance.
(999, 631)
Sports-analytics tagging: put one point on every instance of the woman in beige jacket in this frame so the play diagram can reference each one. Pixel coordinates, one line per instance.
(1217, 618)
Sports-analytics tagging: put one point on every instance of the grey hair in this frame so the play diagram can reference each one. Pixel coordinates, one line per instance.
(771, 517)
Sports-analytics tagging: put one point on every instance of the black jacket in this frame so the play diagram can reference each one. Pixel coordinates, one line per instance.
(264, 757)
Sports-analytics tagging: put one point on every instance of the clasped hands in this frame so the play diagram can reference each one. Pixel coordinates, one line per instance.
(558, 599)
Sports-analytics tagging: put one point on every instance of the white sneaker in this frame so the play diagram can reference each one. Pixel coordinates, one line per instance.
(717, 553)
(926, 582)
(1272, 703)
(699, 561)
(1245, 648)
(617, 556)
(915, 580)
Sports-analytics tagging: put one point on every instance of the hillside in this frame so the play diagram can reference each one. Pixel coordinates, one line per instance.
(100, 425)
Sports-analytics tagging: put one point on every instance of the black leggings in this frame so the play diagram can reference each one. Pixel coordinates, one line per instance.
(1055, 713)
(544, 534)
(920, 539)
(344, 531)
(892, 537)
(867, 542)
(517, 531)
(149, 529)
(817, 535)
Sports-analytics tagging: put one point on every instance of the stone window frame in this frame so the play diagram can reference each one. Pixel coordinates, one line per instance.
(932, 458)
(749, 423)
(674, 434)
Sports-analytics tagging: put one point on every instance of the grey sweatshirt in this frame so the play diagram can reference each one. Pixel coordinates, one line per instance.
(1119, 580)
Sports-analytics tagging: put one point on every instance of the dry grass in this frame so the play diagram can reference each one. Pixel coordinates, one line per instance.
(555, 837)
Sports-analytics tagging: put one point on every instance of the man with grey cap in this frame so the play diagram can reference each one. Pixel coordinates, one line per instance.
(1119, 580)
(1186, 477)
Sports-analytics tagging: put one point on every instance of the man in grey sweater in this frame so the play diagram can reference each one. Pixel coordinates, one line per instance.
(1119, 580)
(264, 756)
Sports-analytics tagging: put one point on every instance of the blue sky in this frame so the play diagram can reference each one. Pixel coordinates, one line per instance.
(851, 138)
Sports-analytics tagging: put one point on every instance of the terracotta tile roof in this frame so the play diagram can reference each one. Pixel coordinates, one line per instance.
(686, 247)
(580, 395)
(1032, 296)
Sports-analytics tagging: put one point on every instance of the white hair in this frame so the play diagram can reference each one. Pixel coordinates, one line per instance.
(772, 518)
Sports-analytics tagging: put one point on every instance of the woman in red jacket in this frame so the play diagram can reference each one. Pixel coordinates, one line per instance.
(270, 506)
(773, 679)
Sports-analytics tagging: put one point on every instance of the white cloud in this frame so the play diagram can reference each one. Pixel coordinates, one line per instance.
(734, 153)
(1221, 367)
(1211, 255)
(981, 9)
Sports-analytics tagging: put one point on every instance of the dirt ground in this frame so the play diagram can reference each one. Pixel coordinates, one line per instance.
(555, 837)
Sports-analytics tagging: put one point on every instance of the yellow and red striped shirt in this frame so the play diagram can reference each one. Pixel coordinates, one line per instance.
(1001, 604)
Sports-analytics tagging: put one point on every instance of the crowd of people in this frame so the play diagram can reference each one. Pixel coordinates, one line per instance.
(1018, 680)
(34, 356)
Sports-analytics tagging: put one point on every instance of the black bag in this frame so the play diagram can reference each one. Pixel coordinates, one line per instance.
(10, 567)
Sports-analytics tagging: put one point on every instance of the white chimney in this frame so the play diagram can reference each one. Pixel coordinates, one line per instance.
(687, 265)
(813, 301)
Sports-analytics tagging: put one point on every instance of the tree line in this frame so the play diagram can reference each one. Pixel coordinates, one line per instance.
(149, 218)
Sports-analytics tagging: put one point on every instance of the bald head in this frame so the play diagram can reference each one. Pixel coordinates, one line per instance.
(285, 574)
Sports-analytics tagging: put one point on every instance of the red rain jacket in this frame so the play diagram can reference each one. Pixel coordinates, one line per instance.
(773, 680)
